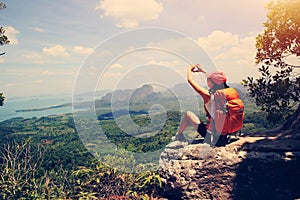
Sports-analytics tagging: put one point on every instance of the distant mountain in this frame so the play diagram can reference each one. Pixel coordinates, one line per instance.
(183, 90)
(143, 94)
(98, 93)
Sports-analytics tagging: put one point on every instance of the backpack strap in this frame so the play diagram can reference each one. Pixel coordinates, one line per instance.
(213, 104)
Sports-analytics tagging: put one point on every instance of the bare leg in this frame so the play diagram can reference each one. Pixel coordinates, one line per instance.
(189, 119)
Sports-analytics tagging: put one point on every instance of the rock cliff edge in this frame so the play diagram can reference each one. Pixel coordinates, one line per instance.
(252, 167)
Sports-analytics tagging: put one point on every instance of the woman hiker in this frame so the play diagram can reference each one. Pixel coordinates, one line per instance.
(216, 82)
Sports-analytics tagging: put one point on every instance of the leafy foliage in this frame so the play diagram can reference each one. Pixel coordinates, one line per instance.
(3, 40)
(19, 167)
(23, 176)
(2, 98)
(101, 181)
(2, 5)
(277, 91)
(281, 36)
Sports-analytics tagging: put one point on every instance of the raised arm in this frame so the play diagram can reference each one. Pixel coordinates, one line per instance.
(200, 90)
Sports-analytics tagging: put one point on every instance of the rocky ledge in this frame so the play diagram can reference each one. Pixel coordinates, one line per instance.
(252, 167)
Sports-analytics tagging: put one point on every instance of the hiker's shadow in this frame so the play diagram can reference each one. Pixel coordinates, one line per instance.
(267, 173)
(197, 141)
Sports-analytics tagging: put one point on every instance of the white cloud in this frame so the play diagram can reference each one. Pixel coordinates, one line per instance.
(243, 52)
(231, 53)
(82, 50)
(56, 50)
(225, 46)
(54, 72)
(34, 58)
(217, 40)
(40, 30)
(129, 13)
(12, 33)
(116, 66)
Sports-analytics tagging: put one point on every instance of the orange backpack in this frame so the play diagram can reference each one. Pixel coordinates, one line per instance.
(229, 111)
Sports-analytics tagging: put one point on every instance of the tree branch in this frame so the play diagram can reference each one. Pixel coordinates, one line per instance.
(293, 66)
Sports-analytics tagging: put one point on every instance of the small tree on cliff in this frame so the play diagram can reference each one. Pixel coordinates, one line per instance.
(277, 90)
(3, 40)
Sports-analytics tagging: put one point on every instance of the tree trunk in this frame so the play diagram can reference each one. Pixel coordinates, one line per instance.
(293, 124)
(290, 127)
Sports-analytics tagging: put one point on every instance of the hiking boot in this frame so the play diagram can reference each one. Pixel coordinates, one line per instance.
(179, 137)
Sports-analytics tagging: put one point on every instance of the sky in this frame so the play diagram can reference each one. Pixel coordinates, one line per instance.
(62, 47)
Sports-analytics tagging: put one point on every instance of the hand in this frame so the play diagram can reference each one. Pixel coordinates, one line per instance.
(196, 68)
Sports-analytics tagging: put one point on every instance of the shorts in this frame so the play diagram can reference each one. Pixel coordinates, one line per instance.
(202, 129)
(221, 141)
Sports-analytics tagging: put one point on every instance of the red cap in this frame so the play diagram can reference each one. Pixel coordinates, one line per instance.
(217, 77)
